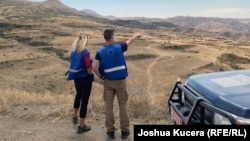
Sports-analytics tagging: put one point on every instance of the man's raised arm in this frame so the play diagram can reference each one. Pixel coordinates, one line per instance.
(132, 39)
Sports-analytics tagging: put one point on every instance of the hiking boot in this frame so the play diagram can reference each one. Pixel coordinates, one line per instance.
(125, 134)
(111, 134)
(83, 129)
(74, 120)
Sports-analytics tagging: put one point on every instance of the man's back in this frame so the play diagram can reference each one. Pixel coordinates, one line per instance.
(112, 62)
(110, 65)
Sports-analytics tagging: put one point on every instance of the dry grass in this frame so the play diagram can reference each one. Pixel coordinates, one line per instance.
(12, 97)
(53, 106)
(154, 62)
(46, 104)
(149, 82)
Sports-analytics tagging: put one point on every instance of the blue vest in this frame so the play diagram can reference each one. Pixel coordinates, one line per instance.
(112, 62)
(77, 67)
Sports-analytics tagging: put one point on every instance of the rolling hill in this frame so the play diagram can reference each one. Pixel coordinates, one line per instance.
(35, 43)
(234, 29)
(46, 29)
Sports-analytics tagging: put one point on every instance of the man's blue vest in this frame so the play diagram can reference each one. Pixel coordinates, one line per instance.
(77, 67)
(112, 62)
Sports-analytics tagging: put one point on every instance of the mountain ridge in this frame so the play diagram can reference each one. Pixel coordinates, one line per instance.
(232, 28)
(236, 29)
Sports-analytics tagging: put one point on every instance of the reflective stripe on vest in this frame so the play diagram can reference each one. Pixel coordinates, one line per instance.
(72, 70)
(115, 69)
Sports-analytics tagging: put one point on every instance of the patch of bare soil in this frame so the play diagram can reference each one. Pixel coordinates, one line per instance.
(17, 129)
(26, 123)
(22, 130)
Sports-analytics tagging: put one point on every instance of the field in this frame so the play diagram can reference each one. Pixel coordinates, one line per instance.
(154, 64)
(34, 56)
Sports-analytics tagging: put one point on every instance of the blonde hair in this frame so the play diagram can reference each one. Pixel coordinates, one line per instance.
(80, 43)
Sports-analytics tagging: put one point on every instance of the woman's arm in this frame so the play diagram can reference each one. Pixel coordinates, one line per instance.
(88, 64)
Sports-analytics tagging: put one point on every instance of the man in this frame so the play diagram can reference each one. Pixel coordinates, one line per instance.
(110, 65)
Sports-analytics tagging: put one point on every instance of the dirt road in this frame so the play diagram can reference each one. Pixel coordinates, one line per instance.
(23, 130)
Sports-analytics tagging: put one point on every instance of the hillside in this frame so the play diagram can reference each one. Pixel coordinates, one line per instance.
(29, 9)
(44, 31)
(213, 24)
(35, 42)
(233, 29)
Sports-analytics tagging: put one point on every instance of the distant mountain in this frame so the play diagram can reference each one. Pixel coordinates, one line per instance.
(213, 24)
(111, 17)
(92, 13)
(203, 23)
(136, 22)
(236, 29)
(32, 9)
(95, 14)
(57, 7)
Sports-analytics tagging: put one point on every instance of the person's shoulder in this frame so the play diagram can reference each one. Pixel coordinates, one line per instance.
(86, 50)
(100, 48)
(118, 44)
(123, 44)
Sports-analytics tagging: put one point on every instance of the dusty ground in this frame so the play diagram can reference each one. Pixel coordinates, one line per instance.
(14, 128)
(153, 68)
(153, 64)
(29, 64)
(19, 130)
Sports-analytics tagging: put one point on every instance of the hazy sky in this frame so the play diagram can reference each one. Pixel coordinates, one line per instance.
(164, 8)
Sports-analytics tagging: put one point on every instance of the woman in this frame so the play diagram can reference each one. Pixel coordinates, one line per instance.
(81, 72)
